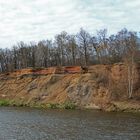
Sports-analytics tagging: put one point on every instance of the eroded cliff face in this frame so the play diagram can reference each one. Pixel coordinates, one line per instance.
(103, 87)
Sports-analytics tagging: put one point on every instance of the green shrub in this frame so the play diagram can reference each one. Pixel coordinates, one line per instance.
(4, 103)
(53, 106)
(69, 105)
(66, 105)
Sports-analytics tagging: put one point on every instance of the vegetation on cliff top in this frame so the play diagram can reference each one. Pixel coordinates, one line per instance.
(80, 49)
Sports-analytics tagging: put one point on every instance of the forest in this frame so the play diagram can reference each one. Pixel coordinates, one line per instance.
(81, 49)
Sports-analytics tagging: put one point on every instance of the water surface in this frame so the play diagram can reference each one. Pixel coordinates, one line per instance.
(36, 124)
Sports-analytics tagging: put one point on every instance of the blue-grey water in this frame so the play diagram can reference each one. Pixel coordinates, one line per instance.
(37, 124)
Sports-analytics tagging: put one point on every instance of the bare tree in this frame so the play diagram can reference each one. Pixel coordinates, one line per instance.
(71, 49)
(80, 49)
(103, 45)
(83, 42)
(95, 48)
(130, 60)
(61, 42)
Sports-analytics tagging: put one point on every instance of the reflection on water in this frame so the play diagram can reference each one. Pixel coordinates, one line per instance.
(33, 124)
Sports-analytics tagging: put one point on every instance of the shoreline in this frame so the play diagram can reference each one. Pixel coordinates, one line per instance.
(122, 106)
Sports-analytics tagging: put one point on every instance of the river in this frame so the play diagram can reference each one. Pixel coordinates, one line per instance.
(40, 124)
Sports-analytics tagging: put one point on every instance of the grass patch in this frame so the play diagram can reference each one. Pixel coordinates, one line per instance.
(4, 103)
(53, 106)
(69, 105)
(65, 105)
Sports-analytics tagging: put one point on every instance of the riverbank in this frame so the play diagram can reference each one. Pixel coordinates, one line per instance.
(103, 87)
(66, 105)
(124, 106)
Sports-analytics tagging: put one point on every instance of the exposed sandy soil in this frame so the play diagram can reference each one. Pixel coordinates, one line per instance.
(103, 87)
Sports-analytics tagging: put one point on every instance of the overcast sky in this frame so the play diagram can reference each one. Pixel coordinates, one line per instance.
(29, 20)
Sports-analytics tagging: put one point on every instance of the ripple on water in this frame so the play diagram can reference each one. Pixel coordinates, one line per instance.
(34, 124)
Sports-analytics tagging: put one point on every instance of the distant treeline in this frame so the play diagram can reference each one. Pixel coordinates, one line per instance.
(66, 49)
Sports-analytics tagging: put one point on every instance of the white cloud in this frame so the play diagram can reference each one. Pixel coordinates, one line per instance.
(29, 20)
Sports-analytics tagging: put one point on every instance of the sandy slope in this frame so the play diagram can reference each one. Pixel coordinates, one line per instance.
(103, 87)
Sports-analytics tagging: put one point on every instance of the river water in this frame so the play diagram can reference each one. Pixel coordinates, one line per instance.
(37, 124)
